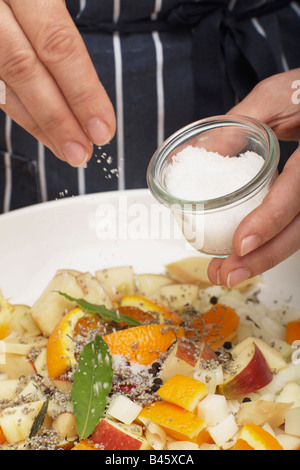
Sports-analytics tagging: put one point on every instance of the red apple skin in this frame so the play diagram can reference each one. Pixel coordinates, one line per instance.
(208, 354)
(112, 438)
(255, 375)
(186, 351)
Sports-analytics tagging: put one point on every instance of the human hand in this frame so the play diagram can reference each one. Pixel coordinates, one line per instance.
(52, 88)
(271, 232)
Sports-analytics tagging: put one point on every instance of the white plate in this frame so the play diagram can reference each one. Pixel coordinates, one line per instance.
(101, 230)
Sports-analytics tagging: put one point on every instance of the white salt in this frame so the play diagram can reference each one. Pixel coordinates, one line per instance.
(198, 175)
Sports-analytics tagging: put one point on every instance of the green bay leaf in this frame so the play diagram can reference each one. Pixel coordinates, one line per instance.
(91, 385)
(101, 310)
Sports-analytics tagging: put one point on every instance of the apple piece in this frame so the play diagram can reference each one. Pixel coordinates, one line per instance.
(123, 409)
(224, 432)
(23, 346)
(247, 372)
(112, 436)
(288, 442)
(55, 408)
(181, 360)
(8, 389)
(93, 290)
(62, 385)
(21, 321)
(292, 422)
(16, 421)
(65, 425)
(274, 359)
(40, 363)
(117, 281)
(149, 284)
(15, 366)
(261, 412)
(208, 368)
(289, 394)
(177, 296)
(51, 306)
(213, 409)
(31, 392)
(190, 270)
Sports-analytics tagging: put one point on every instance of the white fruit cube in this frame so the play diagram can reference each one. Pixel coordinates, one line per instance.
(123, 409)
(292, 422)
(213, 409)
(8, 389)
(224, 432)
(16, 422)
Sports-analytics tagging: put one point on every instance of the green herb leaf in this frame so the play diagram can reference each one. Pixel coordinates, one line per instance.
(37, 423)
(101, 310)
(91, 386)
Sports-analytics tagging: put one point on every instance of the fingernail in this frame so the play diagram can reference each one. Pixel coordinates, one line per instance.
(75, 154)
(98, 132)
(249, 244)
(236, 276)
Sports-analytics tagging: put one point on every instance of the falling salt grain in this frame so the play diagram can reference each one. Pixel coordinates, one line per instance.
(199, 175)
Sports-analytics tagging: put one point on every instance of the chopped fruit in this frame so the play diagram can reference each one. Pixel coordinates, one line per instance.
(253, 437)
(142, 344)
(136, 314)
(193, 270)
(111, 435)
(60, 355)
(181, 359)
(261, 412)
(123, 409)
(183, 391)
(176, 421)
(151, 307)
(216, 326)
(2, 437)
(87, 323)
(85, 444)
(16, 421)
(248, 372)
(292, 332)
(6, 311)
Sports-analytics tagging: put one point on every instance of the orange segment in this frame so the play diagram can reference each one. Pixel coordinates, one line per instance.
(183, 391)
(144, 343)
(147, 305)
(177, 422)
(85, 444)
(254, 437)
(216, 326)
(2, 436)
(292, 332)
(60, 355)
(136, 314)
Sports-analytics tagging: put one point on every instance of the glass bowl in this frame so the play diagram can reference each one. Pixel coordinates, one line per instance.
(209, 224)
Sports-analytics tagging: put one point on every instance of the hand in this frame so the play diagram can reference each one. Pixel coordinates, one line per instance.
(52, 88)
(271, 232)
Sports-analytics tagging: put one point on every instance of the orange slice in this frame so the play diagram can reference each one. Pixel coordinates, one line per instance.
(136, 314)
(147, 305)
(177, 422)
(85, 444)
(2, 436)
(216, 326)
(292, 332)
(60, 355)
(183, 391)
(87, 323)
(253, 437)
(142, 344)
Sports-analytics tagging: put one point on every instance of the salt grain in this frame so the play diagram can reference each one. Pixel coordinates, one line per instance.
(198, 175)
